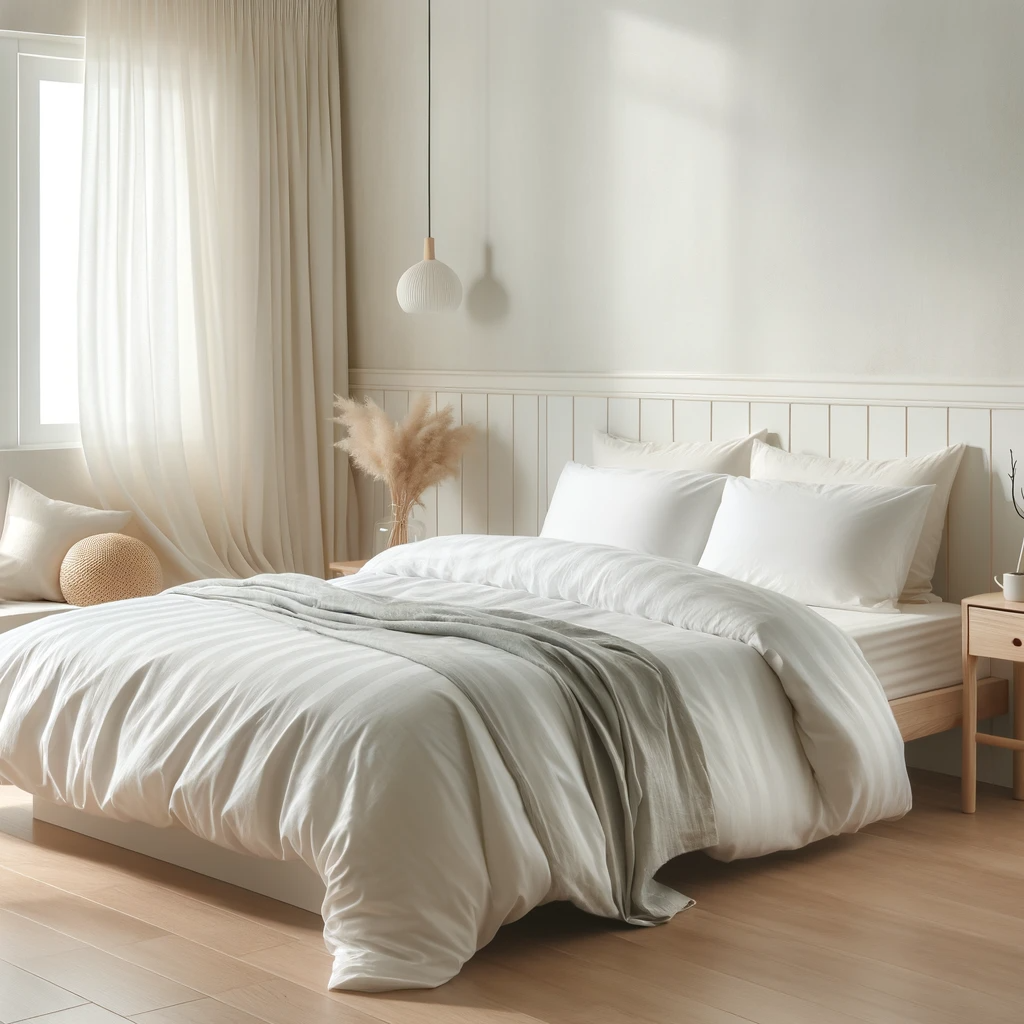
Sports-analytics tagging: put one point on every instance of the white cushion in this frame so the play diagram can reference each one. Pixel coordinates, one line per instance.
(732, 457)
(937, 468)
(830, 545)
(658, 513)
(38, 532)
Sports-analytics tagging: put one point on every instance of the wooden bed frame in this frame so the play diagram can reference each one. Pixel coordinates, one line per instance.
(920, 714)
(924, 714)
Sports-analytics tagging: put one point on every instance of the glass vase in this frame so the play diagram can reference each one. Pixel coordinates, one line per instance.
(401, 527)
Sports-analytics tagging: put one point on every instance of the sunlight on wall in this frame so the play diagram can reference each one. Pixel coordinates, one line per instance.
(670, 97)
(794, 187)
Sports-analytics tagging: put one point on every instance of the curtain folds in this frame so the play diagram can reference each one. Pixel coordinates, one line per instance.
(212, 281)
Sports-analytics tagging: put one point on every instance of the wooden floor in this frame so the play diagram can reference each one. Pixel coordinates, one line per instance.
(920, 920)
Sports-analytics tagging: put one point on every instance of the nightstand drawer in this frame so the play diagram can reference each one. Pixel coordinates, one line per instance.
(995, 634)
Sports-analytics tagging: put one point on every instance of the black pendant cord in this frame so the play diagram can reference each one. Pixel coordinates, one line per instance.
(429, 76)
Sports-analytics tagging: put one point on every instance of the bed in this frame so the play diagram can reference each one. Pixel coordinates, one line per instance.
(917, 659)
(382, 788)
(916, 656)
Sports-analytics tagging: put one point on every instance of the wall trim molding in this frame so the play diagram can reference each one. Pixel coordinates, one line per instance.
(981, 394)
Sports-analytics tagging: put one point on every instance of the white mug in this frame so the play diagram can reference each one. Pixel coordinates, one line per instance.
(1012, 585)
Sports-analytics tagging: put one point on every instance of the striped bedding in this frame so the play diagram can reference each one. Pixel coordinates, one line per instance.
(380, 775)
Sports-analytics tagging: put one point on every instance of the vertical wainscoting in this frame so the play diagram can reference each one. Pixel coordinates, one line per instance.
(529, 426)
(524, 438)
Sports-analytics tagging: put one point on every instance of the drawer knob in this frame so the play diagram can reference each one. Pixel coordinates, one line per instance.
(1016, 641)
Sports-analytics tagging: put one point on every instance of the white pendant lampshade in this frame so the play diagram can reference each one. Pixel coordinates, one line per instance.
(429, 286)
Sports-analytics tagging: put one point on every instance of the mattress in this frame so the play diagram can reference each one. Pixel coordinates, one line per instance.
(914, 651)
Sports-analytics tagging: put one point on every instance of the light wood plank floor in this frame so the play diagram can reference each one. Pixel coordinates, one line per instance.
(916, 921)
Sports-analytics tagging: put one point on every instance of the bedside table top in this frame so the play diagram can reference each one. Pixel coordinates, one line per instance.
(347, 568)
(995, 600)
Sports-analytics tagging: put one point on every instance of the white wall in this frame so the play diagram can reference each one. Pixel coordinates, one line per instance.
(53, 17)
(767, 187)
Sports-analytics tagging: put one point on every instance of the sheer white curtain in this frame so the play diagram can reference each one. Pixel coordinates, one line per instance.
(212, 285)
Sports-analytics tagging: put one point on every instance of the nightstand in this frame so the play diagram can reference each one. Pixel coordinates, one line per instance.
(992, 628)
(349, 568)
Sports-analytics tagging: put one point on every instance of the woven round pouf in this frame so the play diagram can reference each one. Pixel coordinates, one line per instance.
(109, 567)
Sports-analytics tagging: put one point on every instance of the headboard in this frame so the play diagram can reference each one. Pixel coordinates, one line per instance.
(531, 424)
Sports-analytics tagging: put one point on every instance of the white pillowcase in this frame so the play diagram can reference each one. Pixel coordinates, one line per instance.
(937, 468)
(38, 532)
(731, 457)
(831, 545)
(658, 513)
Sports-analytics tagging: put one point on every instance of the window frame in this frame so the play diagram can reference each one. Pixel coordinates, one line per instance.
(25, 59)
(9, 242)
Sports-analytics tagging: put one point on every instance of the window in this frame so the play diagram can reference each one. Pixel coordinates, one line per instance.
(41, 100)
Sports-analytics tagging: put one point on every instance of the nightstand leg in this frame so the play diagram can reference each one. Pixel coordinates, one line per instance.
(969, 729)
(1018, 729)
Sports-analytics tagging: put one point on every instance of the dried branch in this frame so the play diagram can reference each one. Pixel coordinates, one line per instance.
(1013, 485)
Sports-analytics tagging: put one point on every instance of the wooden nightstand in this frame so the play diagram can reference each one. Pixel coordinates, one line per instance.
(346, 568)
(992, 628)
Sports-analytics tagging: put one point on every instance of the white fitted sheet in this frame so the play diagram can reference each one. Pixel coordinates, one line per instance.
(917, 650)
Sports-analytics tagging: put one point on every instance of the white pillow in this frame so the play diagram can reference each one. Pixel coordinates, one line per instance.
(38, 531)
(831, 545)
(937, 468)
(658, 513)
(732, 457)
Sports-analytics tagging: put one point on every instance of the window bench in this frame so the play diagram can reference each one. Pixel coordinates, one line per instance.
(17, 613)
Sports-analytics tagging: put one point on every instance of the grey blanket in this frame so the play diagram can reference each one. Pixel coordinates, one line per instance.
(639, 750)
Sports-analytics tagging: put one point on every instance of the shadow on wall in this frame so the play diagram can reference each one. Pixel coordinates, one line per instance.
(487, 299)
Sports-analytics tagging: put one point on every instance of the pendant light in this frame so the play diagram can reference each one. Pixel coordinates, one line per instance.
(429, 286)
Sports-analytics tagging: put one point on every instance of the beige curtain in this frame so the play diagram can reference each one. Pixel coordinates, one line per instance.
(212, 280)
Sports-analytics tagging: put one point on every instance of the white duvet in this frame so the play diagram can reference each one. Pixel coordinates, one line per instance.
(379, 774)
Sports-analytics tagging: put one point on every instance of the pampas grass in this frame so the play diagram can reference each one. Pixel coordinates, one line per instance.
(421, 451)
